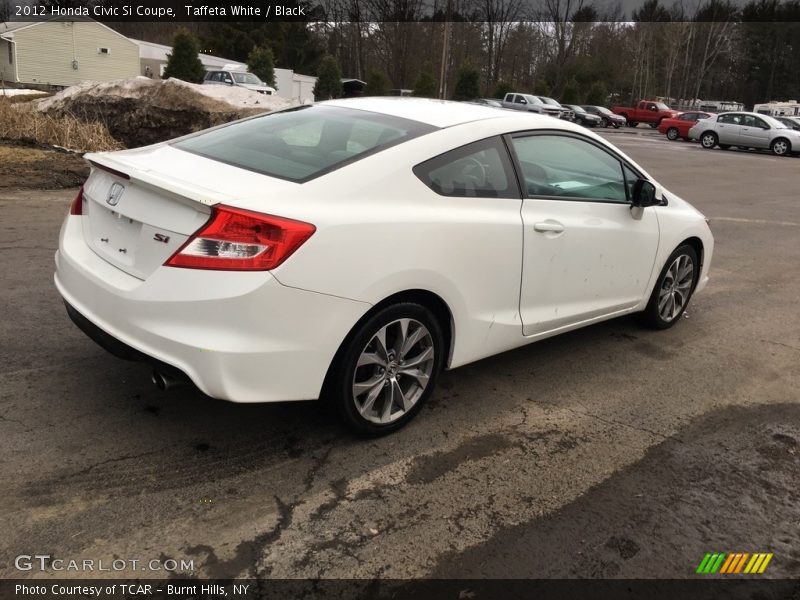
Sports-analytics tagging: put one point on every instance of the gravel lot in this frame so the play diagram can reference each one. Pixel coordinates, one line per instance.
(613, 451)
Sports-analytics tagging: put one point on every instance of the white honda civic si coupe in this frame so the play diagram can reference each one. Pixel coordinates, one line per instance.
(353, 249)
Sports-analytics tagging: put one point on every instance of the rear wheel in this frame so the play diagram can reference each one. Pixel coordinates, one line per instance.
(655, 125)
(632, 123)
(673, 288)
(388, 369)
(708, 140)
(780, 147)
(672, 134)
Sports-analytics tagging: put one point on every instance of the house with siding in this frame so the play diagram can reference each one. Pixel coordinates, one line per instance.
(63, 53)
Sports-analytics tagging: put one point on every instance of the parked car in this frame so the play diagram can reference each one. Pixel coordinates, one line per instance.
(493, 102)
(645, 111)
(793, 122)
(566, 113)
(607, 118)
(530, 103)
(746, 130)
(582, 117)
(400, 237)
(238, 79)
(679, 126)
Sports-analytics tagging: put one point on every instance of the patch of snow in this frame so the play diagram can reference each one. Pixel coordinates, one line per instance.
(19, 92)
(237, 96)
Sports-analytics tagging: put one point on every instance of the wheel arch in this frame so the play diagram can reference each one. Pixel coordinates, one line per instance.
(696, 243)
(430, 300)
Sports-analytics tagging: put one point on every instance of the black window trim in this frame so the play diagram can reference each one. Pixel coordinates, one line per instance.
(509, 137)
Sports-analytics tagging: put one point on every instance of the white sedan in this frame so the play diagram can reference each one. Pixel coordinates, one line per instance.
(352, 249)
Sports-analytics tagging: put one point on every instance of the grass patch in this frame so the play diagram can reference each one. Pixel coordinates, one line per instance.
(22, 122)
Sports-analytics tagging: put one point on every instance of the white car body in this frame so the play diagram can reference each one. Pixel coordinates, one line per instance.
(380, 231)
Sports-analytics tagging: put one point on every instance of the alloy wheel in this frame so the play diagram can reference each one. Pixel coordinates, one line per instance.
(676, 287)
(780, 147)
(708, 140)
(672, 133)
(393, 371)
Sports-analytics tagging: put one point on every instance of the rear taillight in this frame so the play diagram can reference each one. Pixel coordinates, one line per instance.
(234, 239)
(76, 208)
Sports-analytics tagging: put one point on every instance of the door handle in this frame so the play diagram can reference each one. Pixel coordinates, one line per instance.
(545, 226)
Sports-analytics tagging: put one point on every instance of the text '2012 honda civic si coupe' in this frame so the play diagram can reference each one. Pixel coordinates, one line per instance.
(353, 249)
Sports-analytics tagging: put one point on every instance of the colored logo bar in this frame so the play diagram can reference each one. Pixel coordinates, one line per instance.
(734, 562)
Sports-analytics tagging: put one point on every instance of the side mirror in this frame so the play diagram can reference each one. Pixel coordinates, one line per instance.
(644, 194)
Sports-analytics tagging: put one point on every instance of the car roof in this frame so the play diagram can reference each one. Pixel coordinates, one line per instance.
(439, 113)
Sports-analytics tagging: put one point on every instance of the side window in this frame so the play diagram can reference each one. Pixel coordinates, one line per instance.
(568, 167)
(751, 121)
(478, 170)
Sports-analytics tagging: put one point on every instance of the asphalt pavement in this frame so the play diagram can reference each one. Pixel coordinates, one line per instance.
(614, 451)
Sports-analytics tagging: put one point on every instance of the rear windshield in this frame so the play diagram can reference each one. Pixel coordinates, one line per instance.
(303, 143)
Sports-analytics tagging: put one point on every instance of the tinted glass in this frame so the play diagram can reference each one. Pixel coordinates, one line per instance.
(569, 167)
(300, 144)
(478, 170)
(731, 119)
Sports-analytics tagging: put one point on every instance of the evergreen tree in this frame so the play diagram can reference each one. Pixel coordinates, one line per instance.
(261, 63)
(183, 62)
(378, 83)
(426, 85)
(502, 89)
(329, 80)
(468, 84)
(598, 94)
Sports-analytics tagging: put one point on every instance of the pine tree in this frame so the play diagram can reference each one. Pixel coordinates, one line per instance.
(468, 84)
(378, 83)
(426, 85)
(329, 80)
(502, 89)
(183, 62)
(261, 63)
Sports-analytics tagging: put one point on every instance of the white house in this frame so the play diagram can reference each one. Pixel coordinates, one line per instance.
(63, 53)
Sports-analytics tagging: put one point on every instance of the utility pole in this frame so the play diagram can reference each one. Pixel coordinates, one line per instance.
(445, 41)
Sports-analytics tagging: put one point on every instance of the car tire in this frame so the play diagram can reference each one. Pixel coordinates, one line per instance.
(672, 134)
(673, 288)
(655, 125)
(781, 147)
(632, 124)
(603, 122)
(371, 386)
(709, 140)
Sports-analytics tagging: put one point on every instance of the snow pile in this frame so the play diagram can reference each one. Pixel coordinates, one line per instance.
(138, 87)
(140, 111)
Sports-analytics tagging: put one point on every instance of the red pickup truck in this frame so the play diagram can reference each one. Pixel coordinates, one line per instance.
(646, 111)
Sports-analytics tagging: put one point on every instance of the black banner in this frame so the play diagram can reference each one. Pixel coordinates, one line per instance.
(733, 588)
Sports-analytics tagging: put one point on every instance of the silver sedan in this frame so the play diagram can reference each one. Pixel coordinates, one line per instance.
(746, 130)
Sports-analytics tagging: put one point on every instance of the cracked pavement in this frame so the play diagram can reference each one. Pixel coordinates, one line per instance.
(588, 454)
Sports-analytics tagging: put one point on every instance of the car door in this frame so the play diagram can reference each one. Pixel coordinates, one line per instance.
(586, 254)
(754, 132)
(729, 128)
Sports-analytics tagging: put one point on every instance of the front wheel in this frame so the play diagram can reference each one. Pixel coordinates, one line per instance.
(672, 134)
(603, 122)
(388, 369)
(673, 288)
(708, 140)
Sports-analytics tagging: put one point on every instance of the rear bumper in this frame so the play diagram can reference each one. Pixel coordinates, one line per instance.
(242, 337)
